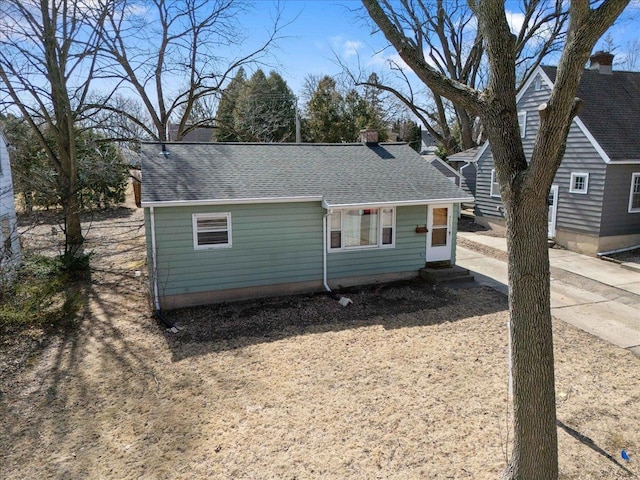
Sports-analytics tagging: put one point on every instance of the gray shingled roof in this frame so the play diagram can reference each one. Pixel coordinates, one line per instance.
(340, 174)
(611, 110)
(468, 155)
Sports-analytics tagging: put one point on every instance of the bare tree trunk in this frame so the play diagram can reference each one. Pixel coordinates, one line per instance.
(535, 453)
(73, 229)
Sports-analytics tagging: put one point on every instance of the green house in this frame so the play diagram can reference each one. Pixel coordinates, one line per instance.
(227, 221)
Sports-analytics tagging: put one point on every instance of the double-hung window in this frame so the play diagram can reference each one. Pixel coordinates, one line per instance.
(361, 228)
(579, 183)
(211, 230)
(495, 186)
(522, 123)
(634, 194)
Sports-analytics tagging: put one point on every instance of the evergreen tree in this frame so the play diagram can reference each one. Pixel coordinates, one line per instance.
(225, 131)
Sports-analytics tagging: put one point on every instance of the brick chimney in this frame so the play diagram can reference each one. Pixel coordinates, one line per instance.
(369, 136)
(602, 62)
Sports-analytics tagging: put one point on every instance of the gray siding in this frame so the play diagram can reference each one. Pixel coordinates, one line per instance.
(616, 219)
(576, 212)
(271, 244)
(468, 175)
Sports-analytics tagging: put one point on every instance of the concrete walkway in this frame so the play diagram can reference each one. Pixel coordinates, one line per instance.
(597, 296)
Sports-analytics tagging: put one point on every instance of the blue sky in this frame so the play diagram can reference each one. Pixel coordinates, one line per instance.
(320, 29)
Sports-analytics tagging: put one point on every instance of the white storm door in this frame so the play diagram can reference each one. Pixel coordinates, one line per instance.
(439, 219)
(553, 211)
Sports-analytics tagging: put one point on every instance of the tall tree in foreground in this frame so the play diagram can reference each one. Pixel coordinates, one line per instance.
(445, 33)
(524, 187)
(47, 63)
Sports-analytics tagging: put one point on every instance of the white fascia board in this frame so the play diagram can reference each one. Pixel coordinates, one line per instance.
(452, 170)
(581, 126)
(525, 87)
(402, 203)
(234, 201)
(592, 140)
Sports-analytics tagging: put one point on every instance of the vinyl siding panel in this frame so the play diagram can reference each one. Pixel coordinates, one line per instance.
(407, 255)
(616, 219)
(468, 176)
(576, 212)
(271, 244)
(7, 213)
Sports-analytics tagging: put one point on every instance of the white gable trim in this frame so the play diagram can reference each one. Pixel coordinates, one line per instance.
(592, 140)
(538, 71)
(449, 167)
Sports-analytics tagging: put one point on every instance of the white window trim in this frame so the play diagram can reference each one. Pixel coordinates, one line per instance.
(522, 124)
(633, 180)
(194, 222)
(537, 86)
(379, 245)
(574, 175)
(494, 181)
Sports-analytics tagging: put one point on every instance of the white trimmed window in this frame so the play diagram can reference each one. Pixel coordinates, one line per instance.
(579, 183)
(522, 123)
(495, 186)
(352, 229)
(211, 230)
(538, 84)
(634, 193)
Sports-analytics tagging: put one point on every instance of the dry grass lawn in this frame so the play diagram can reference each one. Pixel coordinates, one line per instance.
(406, 383)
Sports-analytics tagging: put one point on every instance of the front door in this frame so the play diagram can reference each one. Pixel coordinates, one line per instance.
(553, 211)
(439, 218)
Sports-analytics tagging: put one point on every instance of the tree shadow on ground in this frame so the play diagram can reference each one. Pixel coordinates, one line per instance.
(57, 375)
(233, 325)
(593, 446)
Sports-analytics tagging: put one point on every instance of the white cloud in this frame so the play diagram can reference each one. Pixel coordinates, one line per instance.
(344, 47)
(350, 48)
(515, 21)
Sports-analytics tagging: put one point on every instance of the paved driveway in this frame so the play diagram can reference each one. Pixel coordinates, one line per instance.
(596, 296)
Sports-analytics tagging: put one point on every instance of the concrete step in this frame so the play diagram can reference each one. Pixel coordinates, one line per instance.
(441, 276)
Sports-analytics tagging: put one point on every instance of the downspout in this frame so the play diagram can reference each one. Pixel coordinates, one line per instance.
(154, 265)
(154, 261)
(324, 252)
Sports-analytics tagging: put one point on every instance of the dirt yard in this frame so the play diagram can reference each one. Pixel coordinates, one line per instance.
(405, 383)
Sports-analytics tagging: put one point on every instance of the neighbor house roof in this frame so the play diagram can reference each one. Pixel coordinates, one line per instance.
(469, 155)
(337, 174)
(197, 134)
(611, 110)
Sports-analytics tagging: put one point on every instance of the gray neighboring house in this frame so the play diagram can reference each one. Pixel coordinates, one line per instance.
(594, 203)
(466, 164)
(9, 242)
(227, 221)
(197, 134)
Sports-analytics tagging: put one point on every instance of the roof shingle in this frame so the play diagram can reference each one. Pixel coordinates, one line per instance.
(340, 174)
(611, 110)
